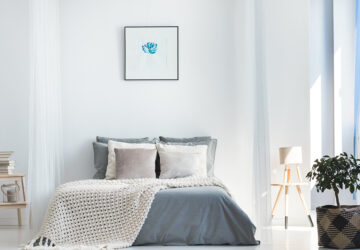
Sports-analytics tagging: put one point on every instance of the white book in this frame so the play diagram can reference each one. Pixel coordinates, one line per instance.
(6, 166)
(5, 169)
(6, 152)
(8, 172)
(7, 163)
(5, 155)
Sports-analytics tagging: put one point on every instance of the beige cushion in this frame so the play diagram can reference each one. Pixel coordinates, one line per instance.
(135, 163)
(181, 161)
(111, 168)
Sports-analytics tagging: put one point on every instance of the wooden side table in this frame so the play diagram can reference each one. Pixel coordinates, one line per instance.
(19, 204)
(285, 186)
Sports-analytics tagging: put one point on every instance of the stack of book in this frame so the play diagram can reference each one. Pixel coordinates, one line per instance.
(6, 165)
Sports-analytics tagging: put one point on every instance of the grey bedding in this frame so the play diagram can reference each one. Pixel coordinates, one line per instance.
(196, 216)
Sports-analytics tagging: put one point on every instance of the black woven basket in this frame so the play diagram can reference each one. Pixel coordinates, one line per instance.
(338, 227)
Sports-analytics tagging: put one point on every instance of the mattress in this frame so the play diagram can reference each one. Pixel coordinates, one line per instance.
(196, 216)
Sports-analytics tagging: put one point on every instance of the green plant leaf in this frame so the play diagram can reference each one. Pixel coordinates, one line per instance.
(352, 189)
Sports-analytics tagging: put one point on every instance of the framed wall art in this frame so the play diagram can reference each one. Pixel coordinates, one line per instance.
(151, 52)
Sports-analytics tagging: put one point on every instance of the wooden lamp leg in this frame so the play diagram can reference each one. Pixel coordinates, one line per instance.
(279, 193)
(277, 200)
(302, 197)
(287, 198)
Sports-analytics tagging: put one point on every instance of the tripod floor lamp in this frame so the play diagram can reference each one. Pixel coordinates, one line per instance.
(290, 156)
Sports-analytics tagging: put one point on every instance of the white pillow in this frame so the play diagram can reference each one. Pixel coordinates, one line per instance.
(180, 161)
(111, 167)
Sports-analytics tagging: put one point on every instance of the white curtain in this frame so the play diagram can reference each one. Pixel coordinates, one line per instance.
(261, 146)
(45, 132)
(357, 84)
(261, 161)
(356, 195)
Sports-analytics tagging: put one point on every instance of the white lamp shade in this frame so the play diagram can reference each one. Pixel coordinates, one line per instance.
(290, 155)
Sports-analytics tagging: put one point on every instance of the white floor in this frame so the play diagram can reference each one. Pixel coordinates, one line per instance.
(276, 238)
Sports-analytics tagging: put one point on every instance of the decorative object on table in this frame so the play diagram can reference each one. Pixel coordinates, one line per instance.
(8, 191)
(338, 226)
(290, 156)
(151, 52)
(6, 165)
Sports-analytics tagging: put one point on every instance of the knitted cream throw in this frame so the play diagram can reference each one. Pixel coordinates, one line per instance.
(103, 214)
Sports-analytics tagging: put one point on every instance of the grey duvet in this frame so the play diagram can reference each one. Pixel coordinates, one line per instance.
(196, 216)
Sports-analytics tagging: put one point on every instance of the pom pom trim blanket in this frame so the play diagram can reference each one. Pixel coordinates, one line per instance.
(103, 214)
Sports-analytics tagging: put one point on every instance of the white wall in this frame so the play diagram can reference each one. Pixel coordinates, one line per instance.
(97, 101)
(14, 86)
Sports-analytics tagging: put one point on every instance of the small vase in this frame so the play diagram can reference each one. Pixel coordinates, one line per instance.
(10, 192)
(11, 195)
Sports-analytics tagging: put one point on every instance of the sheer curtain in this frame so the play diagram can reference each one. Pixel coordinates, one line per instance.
(357, 84)
(261, 146)
(261, 175)
(45, 130)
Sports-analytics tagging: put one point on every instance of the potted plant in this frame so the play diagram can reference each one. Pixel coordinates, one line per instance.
(338, 226)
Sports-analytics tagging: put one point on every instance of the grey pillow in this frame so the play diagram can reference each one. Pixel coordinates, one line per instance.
(185, 140)
(200, 140)
(135, 163)
(101, 152)
(128, 140)
(100, 159)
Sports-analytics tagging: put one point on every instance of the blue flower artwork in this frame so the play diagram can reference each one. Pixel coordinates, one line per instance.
(149, 48)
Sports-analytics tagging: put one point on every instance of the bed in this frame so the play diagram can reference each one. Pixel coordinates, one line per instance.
(111, 214)
(146, 207)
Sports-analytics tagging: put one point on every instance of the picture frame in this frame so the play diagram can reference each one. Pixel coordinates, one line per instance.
(151, 53)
